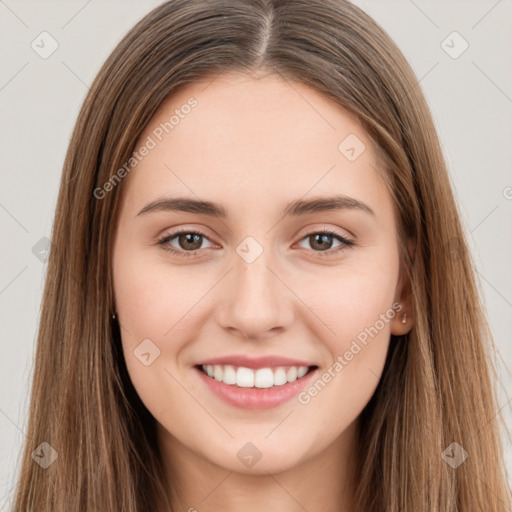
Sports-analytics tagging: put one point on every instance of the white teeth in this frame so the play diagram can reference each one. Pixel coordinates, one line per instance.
(291, 374)
(244, 377)
(249, 378)
(217, 372)
(229, 376)
(302, 371)
(264, 378)
(279, 377)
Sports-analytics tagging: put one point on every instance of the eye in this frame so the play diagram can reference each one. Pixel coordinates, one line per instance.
(321, 241)
(188, 242)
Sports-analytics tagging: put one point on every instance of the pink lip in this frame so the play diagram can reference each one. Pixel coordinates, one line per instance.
(257, 398)
(255, 362)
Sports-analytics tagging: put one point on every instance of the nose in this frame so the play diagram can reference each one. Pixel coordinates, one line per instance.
(256, 302)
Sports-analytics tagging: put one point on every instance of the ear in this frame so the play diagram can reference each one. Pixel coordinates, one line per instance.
(403, 320)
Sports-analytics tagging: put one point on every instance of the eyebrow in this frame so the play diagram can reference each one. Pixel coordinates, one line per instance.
(295, 208)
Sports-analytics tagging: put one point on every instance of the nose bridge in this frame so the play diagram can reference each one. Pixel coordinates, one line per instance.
(255, 301)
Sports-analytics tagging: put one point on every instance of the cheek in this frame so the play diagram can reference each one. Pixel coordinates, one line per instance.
(360, 315)
(356, 304)
(152, 301)
(352, 297)
(151, 297)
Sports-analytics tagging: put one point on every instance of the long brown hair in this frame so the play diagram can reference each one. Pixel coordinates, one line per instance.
(438, 383)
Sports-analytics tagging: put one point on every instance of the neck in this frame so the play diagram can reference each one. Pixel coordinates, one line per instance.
(324, 482)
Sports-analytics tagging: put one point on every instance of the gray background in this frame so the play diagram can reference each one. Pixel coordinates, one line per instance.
(470, 97)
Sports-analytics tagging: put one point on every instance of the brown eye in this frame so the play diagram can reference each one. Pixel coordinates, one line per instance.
(190, 241)
(322, 242)
(183, 243)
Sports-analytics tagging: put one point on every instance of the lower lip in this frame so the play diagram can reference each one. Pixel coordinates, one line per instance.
(256, 398)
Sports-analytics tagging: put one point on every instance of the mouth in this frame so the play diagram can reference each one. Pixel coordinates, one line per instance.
(255, 388)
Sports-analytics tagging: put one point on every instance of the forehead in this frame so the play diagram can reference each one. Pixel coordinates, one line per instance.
(235, 136)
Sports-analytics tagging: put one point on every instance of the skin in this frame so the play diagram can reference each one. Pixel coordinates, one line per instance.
(254, 144)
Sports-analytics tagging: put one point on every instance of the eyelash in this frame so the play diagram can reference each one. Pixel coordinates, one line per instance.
(163, 242)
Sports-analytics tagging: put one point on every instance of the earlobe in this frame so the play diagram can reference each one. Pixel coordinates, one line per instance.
(402, 322)
(404, 318)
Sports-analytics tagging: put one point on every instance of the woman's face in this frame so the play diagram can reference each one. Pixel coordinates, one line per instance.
(258, 292)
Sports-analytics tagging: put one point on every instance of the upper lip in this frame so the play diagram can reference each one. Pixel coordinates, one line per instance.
(255, 362)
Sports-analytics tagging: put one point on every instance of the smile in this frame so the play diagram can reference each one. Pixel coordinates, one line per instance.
(255, 388)
(250, 378)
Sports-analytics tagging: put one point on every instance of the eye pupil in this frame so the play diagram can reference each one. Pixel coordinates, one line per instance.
(322, 245)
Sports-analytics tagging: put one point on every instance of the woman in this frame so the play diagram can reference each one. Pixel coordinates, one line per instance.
(259, 292)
